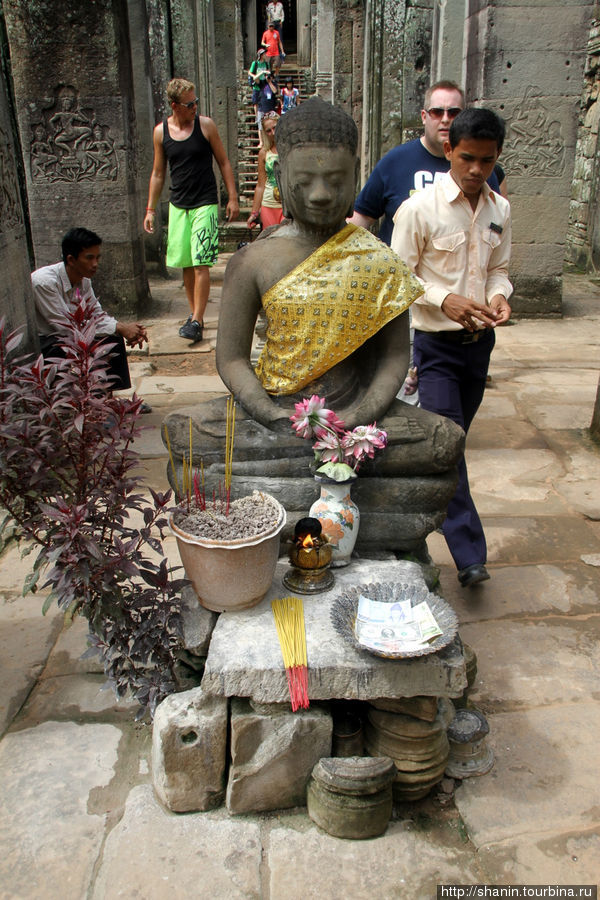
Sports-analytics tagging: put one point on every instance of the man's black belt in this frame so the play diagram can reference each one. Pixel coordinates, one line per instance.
(458, 337)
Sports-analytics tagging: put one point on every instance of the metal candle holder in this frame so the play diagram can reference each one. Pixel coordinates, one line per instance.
(310, 557)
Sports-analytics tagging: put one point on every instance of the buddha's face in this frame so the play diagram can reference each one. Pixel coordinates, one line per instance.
(318, 184)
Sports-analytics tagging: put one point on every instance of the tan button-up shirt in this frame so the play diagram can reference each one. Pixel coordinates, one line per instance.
(55, 297)
(452, 249)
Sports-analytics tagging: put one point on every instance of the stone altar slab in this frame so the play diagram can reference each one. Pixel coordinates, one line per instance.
(244, 659)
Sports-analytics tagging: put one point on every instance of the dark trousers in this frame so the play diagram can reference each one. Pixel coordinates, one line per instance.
(116, 360)
(452, 380)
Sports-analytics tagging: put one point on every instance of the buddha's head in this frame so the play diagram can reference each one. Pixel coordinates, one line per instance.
(317, 169)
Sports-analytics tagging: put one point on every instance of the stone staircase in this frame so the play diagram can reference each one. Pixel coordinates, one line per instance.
(230, 234)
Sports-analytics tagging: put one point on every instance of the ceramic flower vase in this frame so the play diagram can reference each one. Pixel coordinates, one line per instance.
(339, 517)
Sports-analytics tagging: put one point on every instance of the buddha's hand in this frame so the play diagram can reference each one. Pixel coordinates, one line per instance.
(281, 425)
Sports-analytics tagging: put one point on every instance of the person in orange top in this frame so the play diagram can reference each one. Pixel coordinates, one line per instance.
(271, 40)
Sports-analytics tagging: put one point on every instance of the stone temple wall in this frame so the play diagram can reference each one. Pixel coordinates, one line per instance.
(72, 77)
(583, 235)
(525, 59)
(89, 84)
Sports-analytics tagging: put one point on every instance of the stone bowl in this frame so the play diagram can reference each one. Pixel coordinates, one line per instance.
(345, 607)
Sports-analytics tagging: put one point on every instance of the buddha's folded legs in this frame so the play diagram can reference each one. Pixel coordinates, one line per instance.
(419, 442)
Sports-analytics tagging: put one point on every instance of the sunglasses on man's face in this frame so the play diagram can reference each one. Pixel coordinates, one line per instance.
(190, 104)
(437, 112)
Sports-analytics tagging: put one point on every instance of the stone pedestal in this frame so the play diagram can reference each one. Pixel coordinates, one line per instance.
(273, 752)
(72, 77)
(244, 659)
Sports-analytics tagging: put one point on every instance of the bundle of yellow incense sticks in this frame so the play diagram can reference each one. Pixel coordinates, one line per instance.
(289, 621)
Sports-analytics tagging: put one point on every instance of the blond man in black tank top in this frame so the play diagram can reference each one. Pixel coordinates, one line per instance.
(188, 142)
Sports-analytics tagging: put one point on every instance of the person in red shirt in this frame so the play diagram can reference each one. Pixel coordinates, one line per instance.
(271, 40)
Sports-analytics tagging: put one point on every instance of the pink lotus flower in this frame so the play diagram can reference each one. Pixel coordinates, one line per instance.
(328, 447)
(338, 451)
(362, 441)
(311, 419)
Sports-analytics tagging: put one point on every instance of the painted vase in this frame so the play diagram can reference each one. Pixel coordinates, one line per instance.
(339, 517)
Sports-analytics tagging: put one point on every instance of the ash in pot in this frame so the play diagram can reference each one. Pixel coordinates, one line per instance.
(248, 516)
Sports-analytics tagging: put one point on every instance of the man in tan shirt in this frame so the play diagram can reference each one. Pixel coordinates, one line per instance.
(455, 236)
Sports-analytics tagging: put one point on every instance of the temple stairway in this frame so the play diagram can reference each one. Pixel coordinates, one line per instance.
(230, 234)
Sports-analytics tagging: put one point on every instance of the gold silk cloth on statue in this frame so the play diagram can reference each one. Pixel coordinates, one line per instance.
(329, 305)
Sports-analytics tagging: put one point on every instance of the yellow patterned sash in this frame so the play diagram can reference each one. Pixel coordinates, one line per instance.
(329, 305)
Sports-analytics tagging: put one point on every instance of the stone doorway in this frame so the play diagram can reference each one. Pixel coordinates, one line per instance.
(289, 34)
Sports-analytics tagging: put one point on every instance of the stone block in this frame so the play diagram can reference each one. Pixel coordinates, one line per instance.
(572, 644)
(544, 772)
(198, 623)
(539, 219)
(536, 261)
(407, 861)
(518, 29)
(273, 752)
(536, 296)
(189, 739)
(244, 659)
(533, 66)
(26, 640)
(150, 853)
(51, 833)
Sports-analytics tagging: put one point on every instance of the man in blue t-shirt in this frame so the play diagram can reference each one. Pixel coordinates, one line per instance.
(412, 166)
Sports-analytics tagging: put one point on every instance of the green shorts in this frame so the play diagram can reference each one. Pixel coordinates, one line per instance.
(193, 236)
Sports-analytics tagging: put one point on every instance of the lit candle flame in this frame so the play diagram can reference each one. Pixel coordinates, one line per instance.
(307, 542)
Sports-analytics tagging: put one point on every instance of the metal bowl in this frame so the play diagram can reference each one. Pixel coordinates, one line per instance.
(344, 610)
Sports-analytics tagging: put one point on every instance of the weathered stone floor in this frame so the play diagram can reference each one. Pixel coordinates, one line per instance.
(78, 818)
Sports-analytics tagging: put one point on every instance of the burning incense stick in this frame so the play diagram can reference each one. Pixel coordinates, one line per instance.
(289, 621)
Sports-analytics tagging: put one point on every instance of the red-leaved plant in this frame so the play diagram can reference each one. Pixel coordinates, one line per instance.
(67, 480)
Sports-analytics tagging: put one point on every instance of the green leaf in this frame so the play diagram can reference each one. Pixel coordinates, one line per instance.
(337, 471)
(30, 581)
(47, 603)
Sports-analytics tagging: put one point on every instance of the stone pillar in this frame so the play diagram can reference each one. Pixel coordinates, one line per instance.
(141, 31)
(192, 34)
(324, 56)
(228, 52)
(16, 303)
(348, 43)
(447, 63)
(416, 65)
(370, 144)
(204, 34)
(397, 67)
(72, 77)
(303, 32)
(526, 62)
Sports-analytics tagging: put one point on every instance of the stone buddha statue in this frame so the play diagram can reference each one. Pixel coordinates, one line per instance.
(336, 302)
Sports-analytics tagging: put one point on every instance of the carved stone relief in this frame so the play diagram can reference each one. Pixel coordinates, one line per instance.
(10, 203)
(69, 144)
(535, 143)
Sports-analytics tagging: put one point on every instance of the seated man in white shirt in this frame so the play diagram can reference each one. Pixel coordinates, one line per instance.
(455, 236)
(58, 290)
